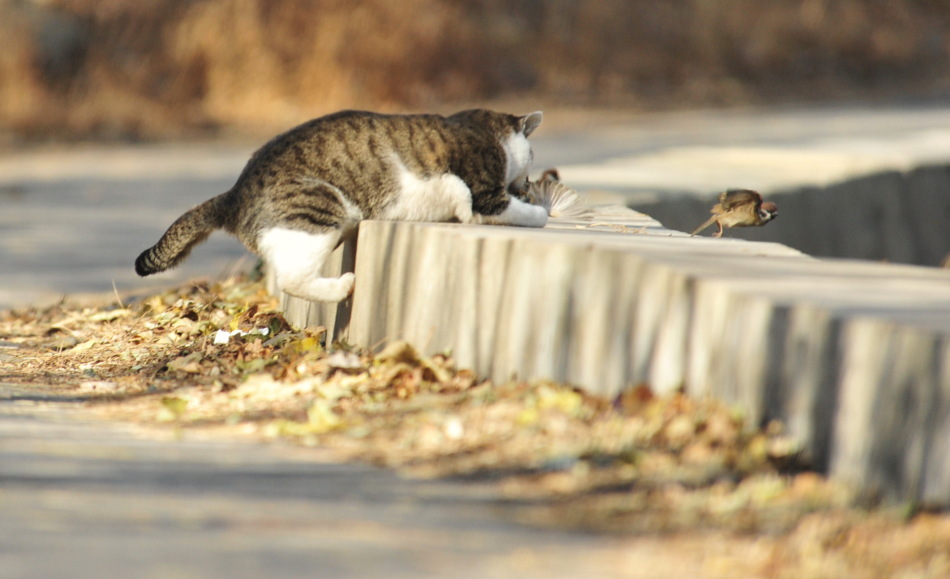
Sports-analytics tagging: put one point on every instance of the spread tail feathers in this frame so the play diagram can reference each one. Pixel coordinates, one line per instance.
(186, 232)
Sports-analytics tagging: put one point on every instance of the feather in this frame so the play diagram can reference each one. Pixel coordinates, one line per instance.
(559, 200)
(733, 197)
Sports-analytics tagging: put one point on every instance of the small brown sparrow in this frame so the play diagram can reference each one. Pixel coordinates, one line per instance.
(559, 199)
(740, 208)
(549, 175)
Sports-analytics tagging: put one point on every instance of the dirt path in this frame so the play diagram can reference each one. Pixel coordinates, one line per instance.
(85, 498)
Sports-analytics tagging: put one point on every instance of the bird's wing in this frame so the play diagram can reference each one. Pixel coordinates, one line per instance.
(559, 199)
(733, 197)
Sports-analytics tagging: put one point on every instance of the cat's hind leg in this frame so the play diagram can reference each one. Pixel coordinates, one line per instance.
(296, 259)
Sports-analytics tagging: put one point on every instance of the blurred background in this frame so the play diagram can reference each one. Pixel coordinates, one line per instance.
(128, 70)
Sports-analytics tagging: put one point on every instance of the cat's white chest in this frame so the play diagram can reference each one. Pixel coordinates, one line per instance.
(439, 198)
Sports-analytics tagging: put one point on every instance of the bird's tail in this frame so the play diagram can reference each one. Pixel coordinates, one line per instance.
(708, 222)
(186, 232)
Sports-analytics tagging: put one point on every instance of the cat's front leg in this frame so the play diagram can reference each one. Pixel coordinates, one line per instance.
(519, 213)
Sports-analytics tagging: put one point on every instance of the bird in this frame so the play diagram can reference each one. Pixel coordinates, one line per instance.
(740, 208)
(560, 200)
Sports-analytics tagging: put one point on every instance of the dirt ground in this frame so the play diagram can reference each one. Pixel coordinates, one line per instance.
(687, 474)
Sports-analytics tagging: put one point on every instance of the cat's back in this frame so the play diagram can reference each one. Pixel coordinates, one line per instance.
(355, 150)
(351, 149)
(363, 136)
(354, 134)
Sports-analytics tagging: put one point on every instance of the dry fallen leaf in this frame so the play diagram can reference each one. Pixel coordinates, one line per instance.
(173, 408)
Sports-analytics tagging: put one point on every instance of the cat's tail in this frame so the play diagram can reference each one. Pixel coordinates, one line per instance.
(186, 232)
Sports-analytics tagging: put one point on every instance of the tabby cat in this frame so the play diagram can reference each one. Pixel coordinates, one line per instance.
(306, 190)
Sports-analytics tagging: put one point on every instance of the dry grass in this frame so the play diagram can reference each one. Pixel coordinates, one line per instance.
(166, 68)
(684, 471)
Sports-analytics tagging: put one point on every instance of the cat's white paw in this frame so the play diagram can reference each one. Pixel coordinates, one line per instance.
(525, 214)
(519, 213)
(334, 289)
(536, 217)
(347, 281)
(324, 289)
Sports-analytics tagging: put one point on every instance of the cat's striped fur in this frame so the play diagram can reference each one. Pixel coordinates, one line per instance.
(307, 189)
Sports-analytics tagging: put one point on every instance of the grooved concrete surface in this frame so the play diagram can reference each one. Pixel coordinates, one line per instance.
(853, 356)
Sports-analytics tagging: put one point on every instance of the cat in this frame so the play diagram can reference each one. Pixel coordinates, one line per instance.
(306, 190)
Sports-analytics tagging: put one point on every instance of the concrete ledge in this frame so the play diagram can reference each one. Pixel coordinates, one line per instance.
(853, 356)
(898, 216)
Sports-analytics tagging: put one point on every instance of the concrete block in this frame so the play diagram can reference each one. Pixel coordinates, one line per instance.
(851, 355)
(891, 432)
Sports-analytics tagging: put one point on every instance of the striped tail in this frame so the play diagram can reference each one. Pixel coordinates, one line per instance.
(186, 232)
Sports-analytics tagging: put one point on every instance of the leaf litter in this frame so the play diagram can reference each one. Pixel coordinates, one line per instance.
(220, 359)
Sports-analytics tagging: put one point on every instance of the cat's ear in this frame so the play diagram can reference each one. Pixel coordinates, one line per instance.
(530, 122)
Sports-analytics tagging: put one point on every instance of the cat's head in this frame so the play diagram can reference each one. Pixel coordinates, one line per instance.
(518, 152)
(512, 133)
